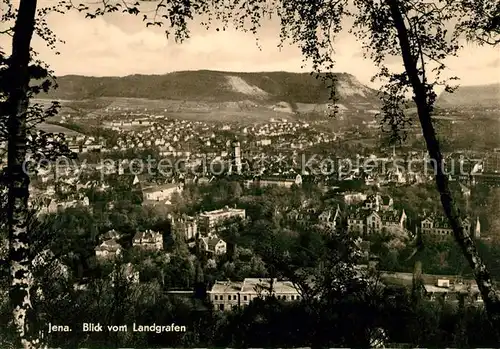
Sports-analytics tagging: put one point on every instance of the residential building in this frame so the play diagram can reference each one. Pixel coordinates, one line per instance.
(56, 206)
(108, 249)
(161, 192)
(330, 217)
(366, 222)
(264, 142)
(375, 213)
(377, 221)
(490, 174)
(280, 181)
(438, 227)
(214, 245)
(149, 240)
(354, 198)
(378, 202)
(356, 221)
(492, 162)
(209, 222)
(227, 295)
(110, 235)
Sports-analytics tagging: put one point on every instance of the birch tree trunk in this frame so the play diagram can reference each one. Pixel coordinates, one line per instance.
(17, 108)
(489, 294)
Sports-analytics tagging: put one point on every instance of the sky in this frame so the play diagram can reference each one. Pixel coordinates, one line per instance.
(118, 45)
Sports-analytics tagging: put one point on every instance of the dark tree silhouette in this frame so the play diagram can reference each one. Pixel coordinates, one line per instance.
(16, 84)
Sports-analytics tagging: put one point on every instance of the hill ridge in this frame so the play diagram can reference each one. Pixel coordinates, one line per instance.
(481, 96)
(212, 85)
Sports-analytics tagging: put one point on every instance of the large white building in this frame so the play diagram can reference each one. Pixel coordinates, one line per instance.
(161, 192)
(275, 181)
(208, 222)
(227, 295)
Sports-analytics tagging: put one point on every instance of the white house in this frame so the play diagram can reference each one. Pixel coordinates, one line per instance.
(214, 245)
(148, 239)
(162, 192)
(108, 249)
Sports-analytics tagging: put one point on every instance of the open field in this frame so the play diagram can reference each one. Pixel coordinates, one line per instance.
(209, 111)
(57, 129)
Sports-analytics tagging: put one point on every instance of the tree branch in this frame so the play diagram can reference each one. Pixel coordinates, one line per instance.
(424, 107)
